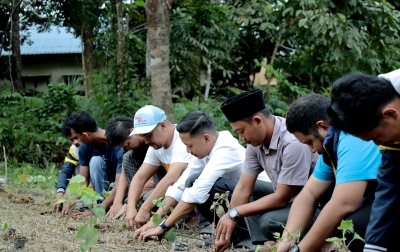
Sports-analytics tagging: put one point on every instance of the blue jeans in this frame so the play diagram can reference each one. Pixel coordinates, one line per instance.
(99, 175)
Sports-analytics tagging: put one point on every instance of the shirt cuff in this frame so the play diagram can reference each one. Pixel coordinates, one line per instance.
(373, 248)
(190, 196)
(174, 192)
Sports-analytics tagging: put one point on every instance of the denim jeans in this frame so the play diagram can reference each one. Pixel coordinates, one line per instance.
(99, 175)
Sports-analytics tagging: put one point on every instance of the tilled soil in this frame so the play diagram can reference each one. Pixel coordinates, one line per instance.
(32, 218)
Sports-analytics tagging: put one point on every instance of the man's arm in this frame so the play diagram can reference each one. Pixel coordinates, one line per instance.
(84, 171)
(241, 196)
(122, 188)
(138, 181)
(67, 170)
(174, 172)
(303, 209)
(338, 207)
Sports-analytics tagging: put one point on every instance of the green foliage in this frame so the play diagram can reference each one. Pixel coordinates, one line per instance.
(159, 202)
(293, 237)
(156, 219)
(89, 234)
(347, 227)
(40, 121)
(89, 197)
(199, 38)
(104, 95)
(170, 235)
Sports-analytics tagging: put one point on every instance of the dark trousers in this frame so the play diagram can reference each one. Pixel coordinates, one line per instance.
(220, 186)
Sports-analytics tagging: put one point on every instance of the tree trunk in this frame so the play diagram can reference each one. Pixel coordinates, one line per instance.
(87, 56)
(158, 19)
(121, 43)
(16, 62)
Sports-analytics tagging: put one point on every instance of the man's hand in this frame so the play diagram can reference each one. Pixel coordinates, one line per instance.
(285, 245)
(157, 231)
(223, 233)
(130, 217)
(144, 228)
(116, 211)
(142, 218)
(67, 208)
(84, 213)
(57, 207)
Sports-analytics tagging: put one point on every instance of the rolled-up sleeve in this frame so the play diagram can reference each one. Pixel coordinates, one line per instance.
(176, 190)
(224, 161)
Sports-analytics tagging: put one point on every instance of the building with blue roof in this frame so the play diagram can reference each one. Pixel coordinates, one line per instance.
(53, 56)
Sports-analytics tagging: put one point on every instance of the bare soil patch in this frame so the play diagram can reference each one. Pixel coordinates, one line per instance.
(43, 230)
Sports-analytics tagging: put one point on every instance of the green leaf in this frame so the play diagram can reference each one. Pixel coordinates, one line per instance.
(10, 191)
(89, 234)
(87, 201)
(170, 235)
(303, 22)
(77, 179)
(347, 226)
(5, 227)
(333, 239)
(61, 200)
(156, 219)
(358, 237)
(99, 211)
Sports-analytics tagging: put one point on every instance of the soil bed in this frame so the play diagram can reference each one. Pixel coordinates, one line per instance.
(43, 230)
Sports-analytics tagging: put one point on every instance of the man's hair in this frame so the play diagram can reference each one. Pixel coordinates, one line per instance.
(266, 112)
(304, 112)
(357, 101)
(118, 129)
(66, 129)
(195, 123)
(81, 122)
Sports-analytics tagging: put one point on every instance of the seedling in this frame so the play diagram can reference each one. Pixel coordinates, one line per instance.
(4, 228)
(170, 235)
(89, 197)
(277, 236)
(347, 227)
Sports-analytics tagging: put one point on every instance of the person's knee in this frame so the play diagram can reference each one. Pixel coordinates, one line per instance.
(270, 225)
(96, 163)
(191, 179)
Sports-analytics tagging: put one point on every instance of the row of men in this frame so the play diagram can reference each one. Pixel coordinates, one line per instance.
(189, 162)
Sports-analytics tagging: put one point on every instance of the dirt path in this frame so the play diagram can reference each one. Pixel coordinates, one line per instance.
(43, 230)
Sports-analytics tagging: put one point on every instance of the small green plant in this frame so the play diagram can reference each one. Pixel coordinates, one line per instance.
(277, 236)
(87, 233)
(170, 235)
(347, 227)
(4, 228)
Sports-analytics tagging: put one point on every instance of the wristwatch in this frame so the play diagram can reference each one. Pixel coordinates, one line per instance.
(294, 248)
(233, 214)
(164, 227)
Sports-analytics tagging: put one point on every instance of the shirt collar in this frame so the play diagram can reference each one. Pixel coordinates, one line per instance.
(275, 135)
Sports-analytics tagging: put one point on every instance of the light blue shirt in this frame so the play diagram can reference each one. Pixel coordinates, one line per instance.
(357, 160)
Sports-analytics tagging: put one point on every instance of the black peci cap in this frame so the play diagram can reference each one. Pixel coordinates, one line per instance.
(243, 105)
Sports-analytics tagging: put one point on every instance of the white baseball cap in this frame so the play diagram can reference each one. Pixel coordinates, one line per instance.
(394, 78)
(146, 119)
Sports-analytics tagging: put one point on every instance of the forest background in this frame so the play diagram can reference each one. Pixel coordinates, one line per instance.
(182, 56)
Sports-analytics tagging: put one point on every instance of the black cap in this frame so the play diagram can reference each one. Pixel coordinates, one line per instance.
(243, 105)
